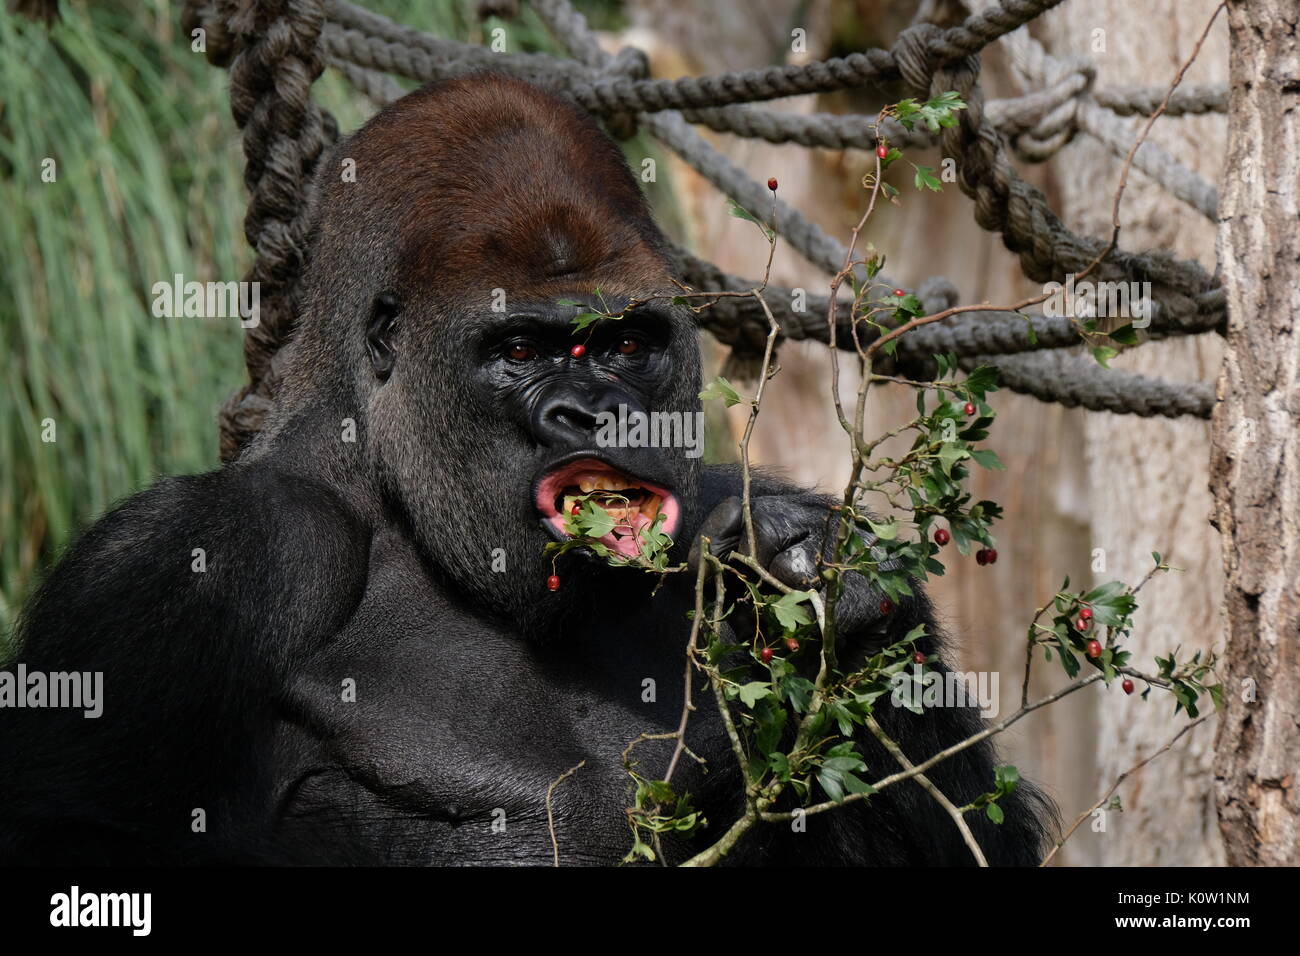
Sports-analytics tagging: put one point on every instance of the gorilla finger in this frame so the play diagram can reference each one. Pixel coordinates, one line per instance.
(781, 525)
(722, 527)
(796, 566)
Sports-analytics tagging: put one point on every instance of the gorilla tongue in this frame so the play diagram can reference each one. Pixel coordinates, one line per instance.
(633, 503)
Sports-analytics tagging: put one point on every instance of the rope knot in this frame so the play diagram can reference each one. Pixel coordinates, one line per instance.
(914, 53)
(1042, 122)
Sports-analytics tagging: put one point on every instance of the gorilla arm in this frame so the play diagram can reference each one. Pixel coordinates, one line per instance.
(192, 648)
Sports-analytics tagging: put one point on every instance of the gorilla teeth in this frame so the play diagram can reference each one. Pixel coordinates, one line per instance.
(603, 481)
(624, 507)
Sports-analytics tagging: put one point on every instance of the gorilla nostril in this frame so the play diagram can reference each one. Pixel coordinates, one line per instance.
(573, 412)
(567, 420)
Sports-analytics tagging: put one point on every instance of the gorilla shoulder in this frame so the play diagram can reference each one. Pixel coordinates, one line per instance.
(247, 554)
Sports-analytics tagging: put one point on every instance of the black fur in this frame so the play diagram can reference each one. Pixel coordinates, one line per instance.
(331, 561)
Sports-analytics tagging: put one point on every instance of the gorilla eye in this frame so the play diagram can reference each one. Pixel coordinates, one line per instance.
(519, 352)
(629, 346)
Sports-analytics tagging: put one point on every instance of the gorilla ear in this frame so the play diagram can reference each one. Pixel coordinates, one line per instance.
(379, 331)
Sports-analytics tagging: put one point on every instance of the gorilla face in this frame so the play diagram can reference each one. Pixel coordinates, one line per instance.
(478, 209)
(560, 399)
(497, 423)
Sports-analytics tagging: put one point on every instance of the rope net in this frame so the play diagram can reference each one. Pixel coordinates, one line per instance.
(275, 50)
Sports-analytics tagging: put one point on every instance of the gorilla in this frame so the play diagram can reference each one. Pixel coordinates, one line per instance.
(345, 647)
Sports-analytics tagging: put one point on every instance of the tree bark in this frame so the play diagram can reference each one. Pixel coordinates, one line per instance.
(1255, 468)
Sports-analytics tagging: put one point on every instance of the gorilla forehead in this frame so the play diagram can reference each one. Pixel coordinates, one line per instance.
(510, 187)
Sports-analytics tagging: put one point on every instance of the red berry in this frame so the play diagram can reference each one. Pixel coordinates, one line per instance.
(918, 658)
(982, 557)
(771, 184)
(1127, 685)
(969, 408)
(991, 556)
(1085, 613)
(1081, 624)
(575, 509)
(882, 150)
(578, 351)
(886, 606)
(1094, 648)
(942, 537)
(553, 582)
(899, 292)
(792, 644)
(765, 655)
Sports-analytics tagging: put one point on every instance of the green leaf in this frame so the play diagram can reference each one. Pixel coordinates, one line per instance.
(982, 380)
(770, 718)
(1125, 335)
(950, 454)
(1105, 593)
(1006, 778)
(595, 521)
(751, 693)
(740, 212)
(639, 850)
(884, 530)
(788, 612)
(926, 179)
(1030, 334)
(721, 388)
(659, 791)
(581, 322)
(994, 813)
(988, 459)
(1103, 354)
(798, 691)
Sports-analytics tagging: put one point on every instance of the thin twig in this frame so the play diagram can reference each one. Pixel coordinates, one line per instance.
(944, 754)
(1118, 780)
(550, 815)
(929, 787)
(691, 644)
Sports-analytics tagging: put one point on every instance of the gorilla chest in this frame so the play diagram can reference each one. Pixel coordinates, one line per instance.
(422, 734)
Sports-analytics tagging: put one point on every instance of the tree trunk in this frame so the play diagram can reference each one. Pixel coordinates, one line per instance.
(1256, 462)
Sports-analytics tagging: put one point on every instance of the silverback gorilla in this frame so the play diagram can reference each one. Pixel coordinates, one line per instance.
(371, 667)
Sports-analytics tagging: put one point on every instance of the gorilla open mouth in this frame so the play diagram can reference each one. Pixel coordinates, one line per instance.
(632, 502)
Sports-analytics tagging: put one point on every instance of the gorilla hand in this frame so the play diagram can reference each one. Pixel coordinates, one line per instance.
(789, 531)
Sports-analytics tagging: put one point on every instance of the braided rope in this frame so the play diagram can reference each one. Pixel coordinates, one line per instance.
(276, 49)
(1076, 110)
(1073, 381)
(1009, 205)
(276, 61)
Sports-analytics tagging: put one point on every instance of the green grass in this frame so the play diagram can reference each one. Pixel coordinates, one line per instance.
(148, 183)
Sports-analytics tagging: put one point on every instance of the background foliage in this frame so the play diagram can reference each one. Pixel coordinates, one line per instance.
(148, 185)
